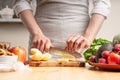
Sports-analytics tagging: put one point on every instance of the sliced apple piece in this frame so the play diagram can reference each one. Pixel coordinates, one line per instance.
(68, 56)
(36, 57)
(63, 60)
(46, 57)
(35, 50)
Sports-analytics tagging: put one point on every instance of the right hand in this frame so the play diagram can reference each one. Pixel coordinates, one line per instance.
(77, 43)
(42, 43)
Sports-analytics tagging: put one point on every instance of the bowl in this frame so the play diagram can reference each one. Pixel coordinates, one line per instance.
(8, 60)
(109, 67)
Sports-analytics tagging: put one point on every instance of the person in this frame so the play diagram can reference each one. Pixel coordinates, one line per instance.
(64, 24)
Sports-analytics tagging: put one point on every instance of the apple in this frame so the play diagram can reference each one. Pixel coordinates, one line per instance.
(20, 52)
(113, 58)
(105, 54)
(116, 48)
(46, 57)
(102, 61)
(92, 58)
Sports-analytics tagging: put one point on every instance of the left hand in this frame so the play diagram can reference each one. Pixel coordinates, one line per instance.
(76, 43)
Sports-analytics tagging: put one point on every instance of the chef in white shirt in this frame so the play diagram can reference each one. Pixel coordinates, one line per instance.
(64, 24)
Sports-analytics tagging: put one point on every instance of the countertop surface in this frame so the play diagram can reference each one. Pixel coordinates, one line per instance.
(61, 73)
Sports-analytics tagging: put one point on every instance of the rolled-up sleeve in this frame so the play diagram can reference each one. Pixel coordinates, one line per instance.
(101, 7)
(21, 5)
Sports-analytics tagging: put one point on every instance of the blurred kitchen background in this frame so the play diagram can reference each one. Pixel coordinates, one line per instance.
(12, 29)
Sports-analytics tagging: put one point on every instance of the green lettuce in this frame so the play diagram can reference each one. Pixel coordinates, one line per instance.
(92, 50)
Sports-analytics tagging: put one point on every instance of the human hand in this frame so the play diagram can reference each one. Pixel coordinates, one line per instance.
(77, 43)
(42, 43)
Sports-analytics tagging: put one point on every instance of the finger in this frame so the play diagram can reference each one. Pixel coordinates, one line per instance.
(69, 46)
(48, 45)
(69, 42)
(77, 42)
(73, 41)
(83, 45)
(38, 44)
(87, 44)
(42, 46)
(34, 44)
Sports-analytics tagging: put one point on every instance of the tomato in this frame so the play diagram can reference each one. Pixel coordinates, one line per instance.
(116, 48)
(113, 58)
(20, 52)
(105, 54)
(92, 58)
(102, 61)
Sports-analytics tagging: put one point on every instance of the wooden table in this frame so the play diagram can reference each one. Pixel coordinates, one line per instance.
(61, 73)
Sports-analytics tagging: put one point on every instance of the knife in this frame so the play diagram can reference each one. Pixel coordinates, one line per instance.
(62, 52)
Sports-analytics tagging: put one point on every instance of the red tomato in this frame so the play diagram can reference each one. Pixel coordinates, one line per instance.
(92, 58)
(105, 54)
(116, 48)
(102, 61)
(20, 52)
(113, 58)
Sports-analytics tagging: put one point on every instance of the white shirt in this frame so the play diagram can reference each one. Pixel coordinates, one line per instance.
(61, 18)
(100, 6)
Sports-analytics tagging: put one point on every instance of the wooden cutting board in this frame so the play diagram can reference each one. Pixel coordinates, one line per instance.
(56, 63)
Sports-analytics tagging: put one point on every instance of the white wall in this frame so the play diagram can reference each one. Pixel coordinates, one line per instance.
(17, 34)
(111, 26)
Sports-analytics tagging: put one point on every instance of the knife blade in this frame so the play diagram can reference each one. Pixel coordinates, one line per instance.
(62, 52)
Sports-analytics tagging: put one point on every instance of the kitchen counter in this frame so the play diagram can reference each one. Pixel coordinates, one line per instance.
(61, 73)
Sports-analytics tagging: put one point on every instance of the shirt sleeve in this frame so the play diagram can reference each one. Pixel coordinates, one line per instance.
(21, 5)
(101, 7)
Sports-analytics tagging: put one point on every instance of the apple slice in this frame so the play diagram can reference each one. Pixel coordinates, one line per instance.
(36, 57)
(35, 50)
(46, 56)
